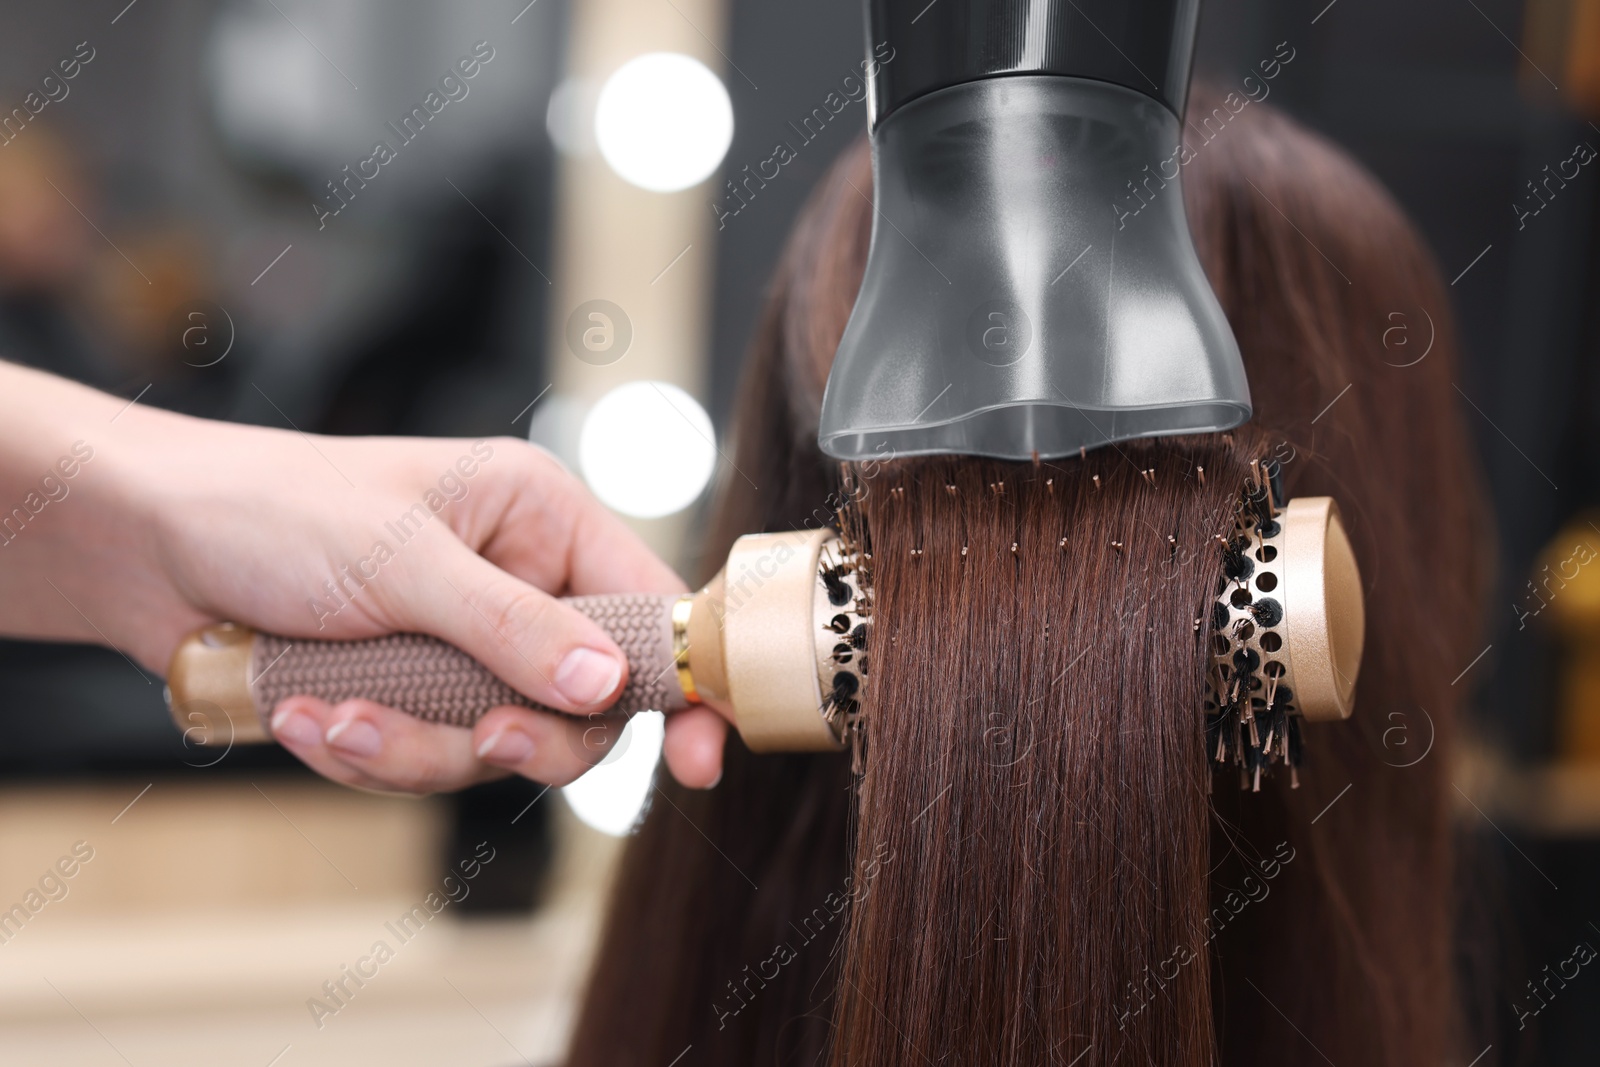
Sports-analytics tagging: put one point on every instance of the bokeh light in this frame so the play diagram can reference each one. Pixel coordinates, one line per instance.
(663, 121)
(647, 449)
(569, 117)
(611, 796)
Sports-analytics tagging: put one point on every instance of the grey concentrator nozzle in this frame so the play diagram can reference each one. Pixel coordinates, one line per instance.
(1031, 287)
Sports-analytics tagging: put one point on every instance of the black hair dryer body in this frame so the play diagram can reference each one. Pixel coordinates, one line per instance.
(1031, 289)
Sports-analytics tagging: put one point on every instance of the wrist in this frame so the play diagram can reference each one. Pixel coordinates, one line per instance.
(41, 416)
(77, 498)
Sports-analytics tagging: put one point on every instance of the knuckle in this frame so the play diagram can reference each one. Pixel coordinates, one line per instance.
(408, 788)
(420, 776)
(530, 456)
(509, 444)
(594, 737)
(416, 766)
(522, 615)
(564, 772)
(527, 461)
(578, 747)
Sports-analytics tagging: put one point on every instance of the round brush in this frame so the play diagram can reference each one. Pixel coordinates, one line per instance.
(776, 641)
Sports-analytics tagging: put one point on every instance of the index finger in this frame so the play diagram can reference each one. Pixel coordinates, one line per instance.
(553, 518)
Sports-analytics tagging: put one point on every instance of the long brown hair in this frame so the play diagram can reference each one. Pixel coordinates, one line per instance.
(1030, 869)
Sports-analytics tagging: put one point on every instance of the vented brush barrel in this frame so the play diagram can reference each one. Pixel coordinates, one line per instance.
(1031, 288)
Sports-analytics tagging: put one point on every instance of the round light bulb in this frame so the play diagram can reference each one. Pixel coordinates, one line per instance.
(647, 449)
(663, 121)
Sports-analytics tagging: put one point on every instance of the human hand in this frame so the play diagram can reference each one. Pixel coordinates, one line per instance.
(179, 522)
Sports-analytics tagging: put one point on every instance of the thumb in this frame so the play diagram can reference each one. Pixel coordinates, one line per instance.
(535, 643)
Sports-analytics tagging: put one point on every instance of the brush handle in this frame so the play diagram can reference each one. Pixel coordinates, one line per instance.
(245, 674)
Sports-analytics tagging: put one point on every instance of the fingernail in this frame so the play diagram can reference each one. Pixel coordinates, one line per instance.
(587, 676)
(507, 747)
(355, 737)
(715, 781)
(296, 727)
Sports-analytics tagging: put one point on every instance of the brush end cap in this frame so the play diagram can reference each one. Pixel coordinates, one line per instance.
(1325, 615)
(208, 687)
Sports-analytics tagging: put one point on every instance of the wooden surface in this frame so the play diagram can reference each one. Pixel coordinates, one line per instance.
(208, 916)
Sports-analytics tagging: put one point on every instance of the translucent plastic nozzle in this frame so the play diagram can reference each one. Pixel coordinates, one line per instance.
(1031, 286)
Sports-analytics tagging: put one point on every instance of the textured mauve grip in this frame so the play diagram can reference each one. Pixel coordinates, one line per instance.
(437, 682)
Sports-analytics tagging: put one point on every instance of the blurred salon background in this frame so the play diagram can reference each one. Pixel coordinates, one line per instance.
(488, 217)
